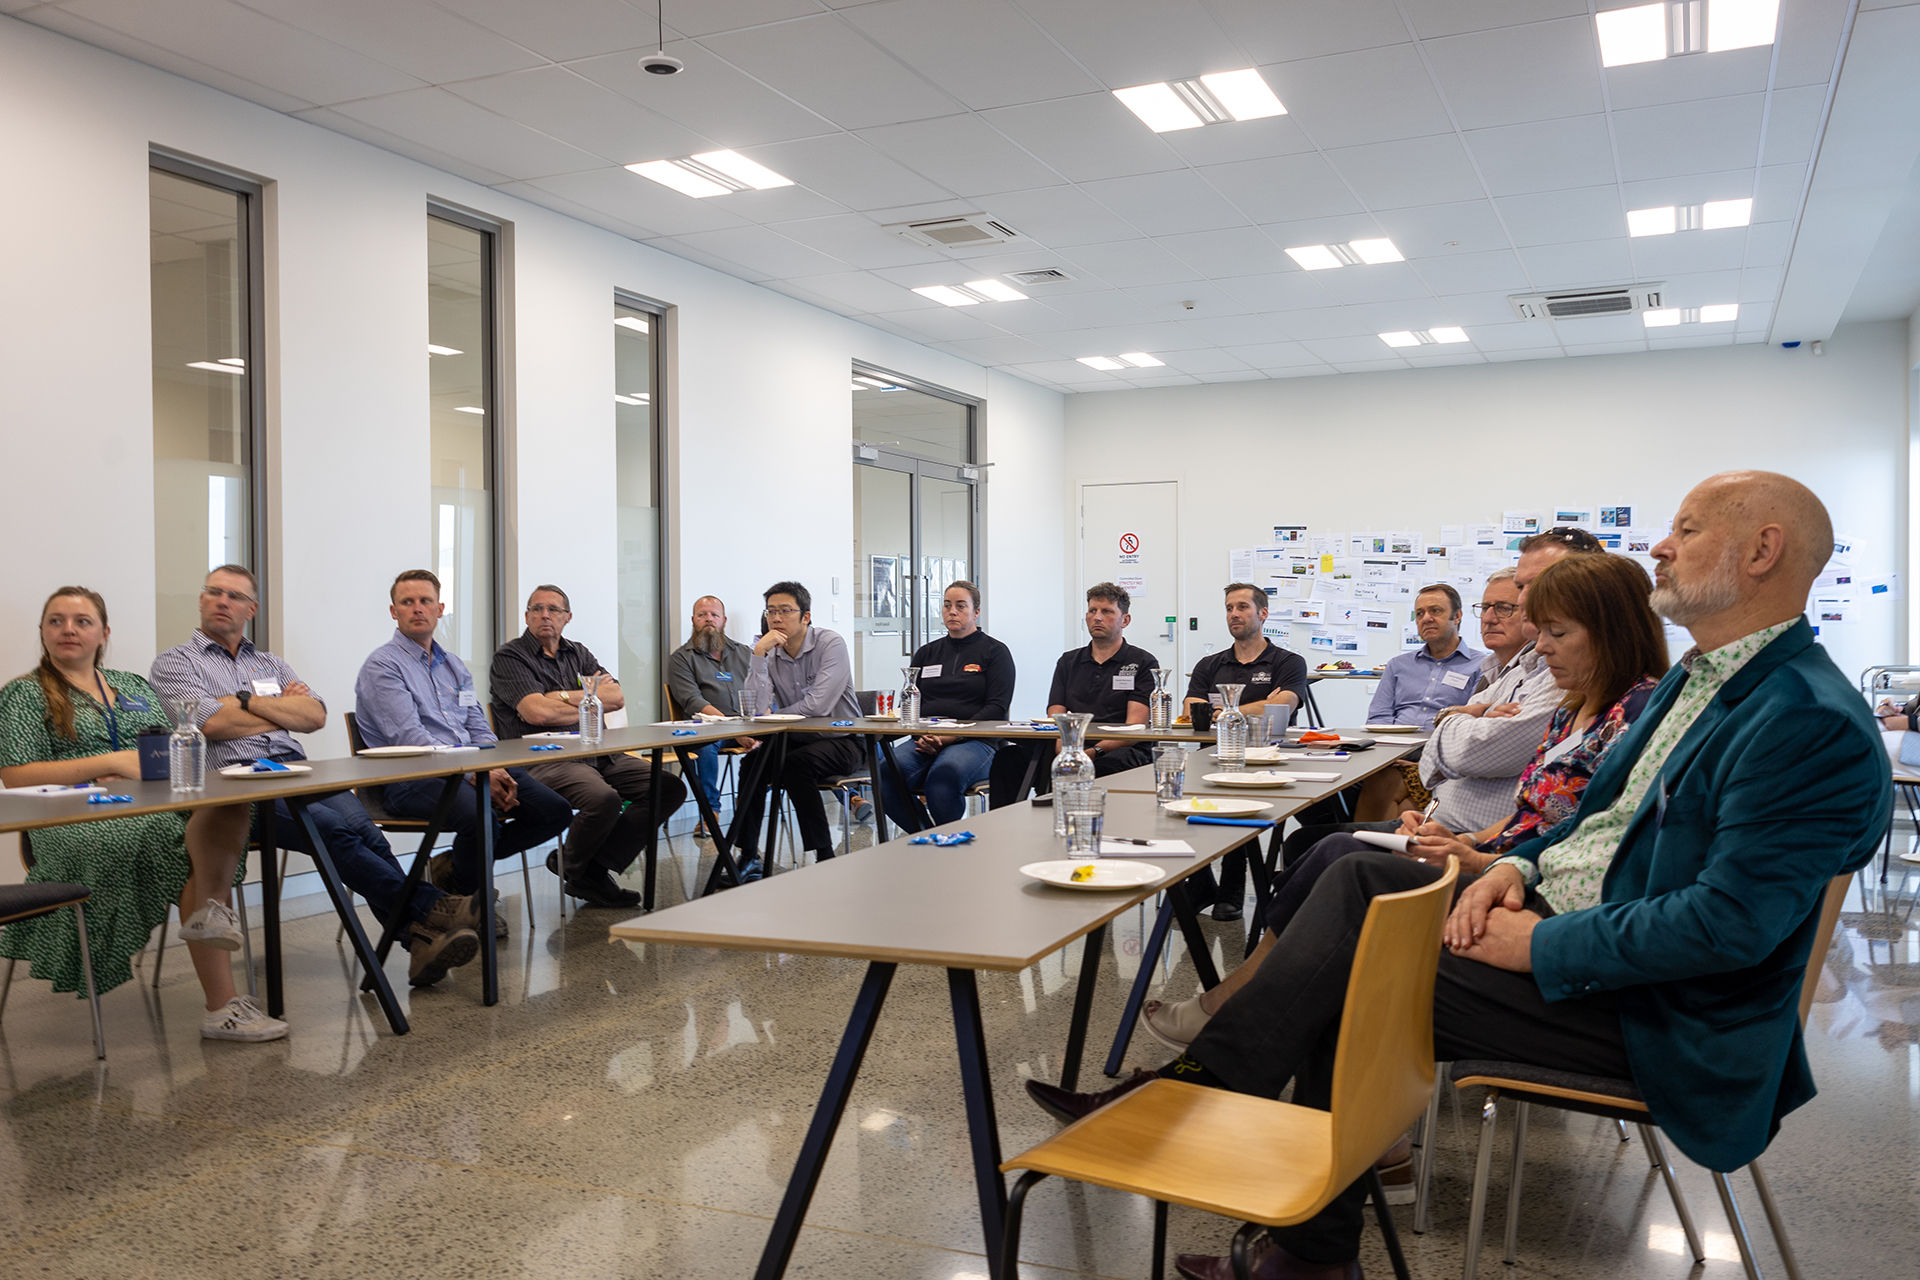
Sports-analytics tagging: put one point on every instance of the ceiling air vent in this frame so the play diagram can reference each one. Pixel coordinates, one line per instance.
(1577, 304)
(972, 231)
(1050, 275)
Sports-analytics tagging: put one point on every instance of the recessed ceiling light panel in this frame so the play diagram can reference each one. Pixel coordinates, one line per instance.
(743, 170)
(1104, 363)
(1651, 222)
(1314, 257)
(995, 291)
(1141, 360)
(1632, 35)
(1448, 333)
(1159, 107)
(1660, 318)
(1715, 214)
(947, 296)
(1244, 94)
(1741, 24)
(1720, 313)
(1374, 252)
(1400, 338)
(685, 181)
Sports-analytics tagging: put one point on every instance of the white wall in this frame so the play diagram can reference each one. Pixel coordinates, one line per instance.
(1411, 450)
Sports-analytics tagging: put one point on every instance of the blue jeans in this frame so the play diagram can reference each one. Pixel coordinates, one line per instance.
(540, 816)
(943, 778)
(359, 850)
(706, 765)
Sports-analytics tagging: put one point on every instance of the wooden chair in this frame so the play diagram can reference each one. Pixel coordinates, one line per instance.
(1268, 1163)
(25, 902)
(1620, 1101)
(729, 785)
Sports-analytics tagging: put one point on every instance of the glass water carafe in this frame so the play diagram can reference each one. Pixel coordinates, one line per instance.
(1160, 702)
(909, 695)
(593, 720)
(1231, 750)
(187, 748)
(1073, 767)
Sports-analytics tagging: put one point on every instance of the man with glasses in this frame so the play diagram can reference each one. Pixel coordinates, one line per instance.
(251, 705)
(704, 677)
(1416, 686)
(799, 669)
(537, 679)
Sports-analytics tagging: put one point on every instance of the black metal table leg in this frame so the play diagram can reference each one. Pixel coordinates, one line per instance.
(489, 945)
(343, 904)
(1189, 919)
(653, 826)
(726, 870)
(1082, 1007)
(723, 864)
(1130, 1015)
(1261, 865)
(776, 794)
(270, 906)
(826, 1119)
(983, 1131)
(417, 870)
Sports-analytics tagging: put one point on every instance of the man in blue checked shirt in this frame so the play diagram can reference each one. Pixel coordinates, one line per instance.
(1417, 686)
(412, 692)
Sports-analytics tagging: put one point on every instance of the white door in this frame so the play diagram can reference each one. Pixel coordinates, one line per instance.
(1129, 534)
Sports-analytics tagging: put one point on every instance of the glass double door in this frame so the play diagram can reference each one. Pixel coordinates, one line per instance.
(912, 536)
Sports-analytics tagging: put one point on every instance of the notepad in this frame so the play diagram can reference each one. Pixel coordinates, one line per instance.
(1151, 849)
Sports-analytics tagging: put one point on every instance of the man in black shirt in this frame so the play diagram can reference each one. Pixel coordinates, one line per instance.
(966, 675)
(1110, 679)
(1270, 677)
(536, 686)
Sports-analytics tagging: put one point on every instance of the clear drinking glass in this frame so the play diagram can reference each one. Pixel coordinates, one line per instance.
(1169, 770)
(187, 748)
(909, 696)
(592, 718)
(749, 701)
(1232, 725)
(1084, 810)
(1279, 716)
(1073, 767)
(1160, 702)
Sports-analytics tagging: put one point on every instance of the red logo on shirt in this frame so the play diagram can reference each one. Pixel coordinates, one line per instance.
(971, 666)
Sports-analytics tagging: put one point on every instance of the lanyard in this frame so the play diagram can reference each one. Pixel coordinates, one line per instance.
(106, 709)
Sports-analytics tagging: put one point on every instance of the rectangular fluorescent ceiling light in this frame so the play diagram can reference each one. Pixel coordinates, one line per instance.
(1244, 94)
(1320, 257)
(218, 366)
(994, 291)
(1448, 333)
(1101, 362)
(1159, 107)
(1219, 98)
(1400, 338)
(1632, 35)
(947, 296)
(1715, 214)
(1740, 24)
(743, 170)
(1651, 222)
(1373, 252)
(468, 408)
(1719, 313)
(685, 181)
(1661, 318)
(631, 322)
(1141, 360)
(1649, 32)
(1314, 257)
(434, 349)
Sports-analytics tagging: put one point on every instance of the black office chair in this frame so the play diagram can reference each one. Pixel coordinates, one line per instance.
(25, 902)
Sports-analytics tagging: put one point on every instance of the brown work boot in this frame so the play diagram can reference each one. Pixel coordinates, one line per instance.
(434, 952)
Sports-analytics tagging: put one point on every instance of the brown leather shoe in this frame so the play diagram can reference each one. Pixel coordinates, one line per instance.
(1067, 1107)
(1267, 1261)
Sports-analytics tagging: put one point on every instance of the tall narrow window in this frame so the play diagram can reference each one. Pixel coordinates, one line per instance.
(460, 355)
(636, 438)
(203, 269)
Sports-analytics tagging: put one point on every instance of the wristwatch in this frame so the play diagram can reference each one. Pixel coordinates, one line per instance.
(246, 696)
(566, 696)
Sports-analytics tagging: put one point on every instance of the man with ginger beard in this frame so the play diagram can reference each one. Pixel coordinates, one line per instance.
(704, 678)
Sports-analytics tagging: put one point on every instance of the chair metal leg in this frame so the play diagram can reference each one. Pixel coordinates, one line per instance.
(560, 842)
(7, 989)
(1513, 1181)
(1159, 1271)
(1658, 1152)
(93, 993)
(1383, 1214)
(1775, 1221)
(1621, 1125)
(1010, 1239)
(246, 941)
(160, 952)
(1423, 1167)
(1734, 1220)
(1241, 1254)
(1482, 1166)
(526, 888)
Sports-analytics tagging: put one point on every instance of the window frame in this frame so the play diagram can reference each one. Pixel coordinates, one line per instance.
(663, 527)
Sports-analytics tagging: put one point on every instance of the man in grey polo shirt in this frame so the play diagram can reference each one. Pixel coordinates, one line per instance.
(704, 677)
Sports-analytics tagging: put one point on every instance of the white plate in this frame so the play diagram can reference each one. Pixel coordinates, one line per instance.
(246, 771)
(1251, 778)
(1108, 873)
(1260, 755)
(1216, 807)
(1393, 728)
(395, 751)
(891, 715)
(779, 716)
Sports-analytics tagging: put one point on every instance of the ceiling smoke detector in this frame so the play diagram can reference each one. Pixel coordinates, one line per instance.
(660, 63)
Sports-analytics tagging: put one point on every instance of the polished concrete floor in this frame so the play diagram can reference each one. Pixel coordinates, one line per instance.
(634, 1111)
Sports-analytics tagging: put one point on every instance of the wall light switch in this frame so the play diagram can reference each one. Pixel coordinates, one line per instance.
(836, 587)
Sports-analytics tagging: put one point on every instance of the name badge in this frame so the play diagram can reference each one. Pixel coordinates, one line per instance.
(134, 702)
(724, 675)
(929, 673)
(1124, 682)
(1454, 679)
(266, 688)
(468, 698)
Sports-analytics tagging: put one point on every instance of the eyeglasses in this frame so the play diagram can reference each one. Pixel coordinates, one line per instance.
(1497, 610)
(221, 593)
(549, 608)
(783, 612)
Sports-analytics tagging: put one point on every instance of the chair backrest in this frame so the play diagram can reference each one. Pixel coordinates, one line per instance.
(1822, 940)
(372, 799)
(667, 693)
(1383, 1067)
(865, 697)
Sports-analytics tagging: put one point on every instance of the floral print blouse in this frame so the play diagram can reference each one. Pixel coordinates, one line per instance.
(1550, 786)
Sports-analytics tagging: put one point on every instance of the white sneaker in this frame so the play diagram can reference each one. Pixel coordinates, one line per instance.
(214, 925)
(241, 1019)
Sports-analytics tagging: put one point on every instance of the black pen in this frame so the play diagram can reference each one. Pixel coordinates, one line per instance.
(1126, 840)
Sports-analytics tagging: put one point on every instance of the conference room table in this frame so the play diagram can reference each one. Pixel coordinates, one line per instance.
(961, 908)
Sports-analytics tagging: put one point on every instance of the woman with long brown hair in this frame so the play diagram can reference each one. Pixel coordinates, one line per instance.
(73, 721)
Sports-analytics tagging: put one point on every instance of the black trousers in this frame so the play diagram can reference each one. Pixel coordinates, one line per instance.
(1308, 836)
(810, 761)
(1285, 1023)
(1010, 763)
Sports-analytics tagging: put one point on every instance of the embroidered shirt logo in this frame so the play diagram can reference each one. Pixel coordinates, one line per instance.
(971, 666)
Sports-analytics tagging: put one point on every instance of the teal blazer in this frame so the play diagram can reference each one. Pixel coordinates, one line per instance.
(1709, 908)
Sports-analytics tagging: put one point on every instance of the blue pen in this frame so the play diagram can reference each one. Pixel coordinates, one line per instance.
(685, 733)
(104, 799)
(840, 724)
(545, 747)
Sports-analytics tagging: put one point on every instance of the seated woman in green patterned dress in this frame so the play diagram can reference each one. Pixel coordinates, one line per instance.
(71, 721)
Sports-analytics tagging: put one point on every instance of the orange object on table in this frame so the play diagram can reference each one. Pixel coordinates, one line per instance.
(1308, 739)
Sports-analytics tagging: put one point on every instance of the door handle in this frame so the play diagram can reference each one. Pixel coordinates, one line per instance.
(1171, 634)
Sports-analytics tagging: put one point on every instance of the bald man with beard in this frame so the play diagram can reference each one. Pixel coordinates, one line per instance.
(1662, 932)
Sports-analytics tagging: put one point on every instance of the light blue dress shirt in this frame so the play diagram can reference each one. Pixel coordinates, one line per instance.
(1415, 687)
(406, 696)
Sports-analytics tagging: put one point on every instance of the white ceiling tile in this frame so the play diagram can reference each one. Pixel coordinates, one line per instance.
(1691, 188)
(632, 198)
(1439, 361)
(1561, 217)
(725, 266)
(1793, 119)
(1032, 318)
(1202, 360)
(242, 43)
(1367, 347)
(574, 209)
(1103, 307)
(834, 70)
(708, 16)
(1338, 230)
(1473, 272)
(1325, 322)
(1408, 172)
(942, 324)
(1572, 266)
(1481, 309)
(1280, 291)
(1688, 137)
(1519, 336)
(1166, 203)
(328, 118)
(1760, 284)
(1703, 339)
(456, 127)
(562, 29)
(1018, 257)
(983, 52)
(1777, 191)
(1002, 350)
(1274, 355)
(1208, 299)
(1228, 330)
(1656, 257)
(1129, 42)
(1061, 372)
(1664, 80)
(1700, 288)
(1433, 18)
(1241, 140)
(1537, 353)
(709, 97)
(1809, 36)
(1605, 348)
(1150, 336)
(1166, 380)
(1060, 217)
(1768, 242)
(1407, 313)
(863, 291)
(577, 111)
(962, 154)
(802, 294)
(1231, 251)
(1230, 375)
(413, 36)
(1349, 99)
(764, 251)
(1314, 370)
(1386, 282)
(54, 18)
(856, 240)
(1282, 189)
(1086, 137)
(1130, 262)
(1549, 155)
(843, 168)
(780, 204)
(1288, 30)
(1518, 74)
(1442, 230)
(1591, 329)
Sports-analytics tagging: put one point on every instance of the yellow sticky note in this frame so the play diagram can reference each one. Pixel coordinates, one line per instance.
(1326, 564)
